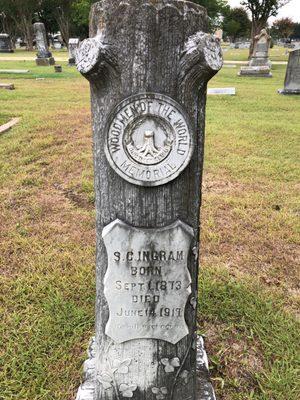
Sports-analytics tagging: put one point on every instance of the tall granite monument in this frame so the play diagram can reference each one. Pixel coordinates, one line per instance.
(260, 64)
(5, 43)
(148, 64)
(73, 46)
(292, 77)
(44, 56)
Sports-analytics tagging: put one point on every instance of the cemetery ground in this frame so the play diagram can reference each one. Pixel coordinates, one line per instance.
(249, 282)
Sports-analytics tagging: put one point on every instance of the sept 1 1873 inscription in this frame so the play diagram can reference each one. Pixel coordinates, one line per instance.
(147, 283)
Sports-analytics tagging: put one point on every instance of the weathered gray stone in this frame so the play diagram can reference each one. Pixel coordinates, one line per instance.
(260, 55)
(259, 65)
(205, 389)
(58, 68)
(5, 43)
(258, 72)
(292, 77)
(73, 46)
(230, 91)
(44, 56)
(148, 64)
(8, 86)
(142, 265)
(14, 71)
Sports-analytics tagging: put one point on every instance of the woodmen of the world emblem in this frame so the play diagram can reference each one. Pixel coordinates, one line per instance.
(149, 139)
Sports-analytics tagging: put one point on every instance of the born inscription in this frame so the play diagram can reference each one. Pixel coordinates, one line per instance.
(147, 283)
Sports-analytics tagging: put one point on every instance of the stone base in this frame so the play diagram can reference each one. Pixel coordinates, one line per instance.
(45, 62)
(58, 68)
(260, 62)
(259, 72)
(205, 390)
(289, 91)
(72, 62)
(8, 86)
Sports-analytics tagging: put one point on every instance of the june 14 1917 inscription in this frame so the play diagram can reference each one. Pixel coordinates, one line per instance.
(147, 283)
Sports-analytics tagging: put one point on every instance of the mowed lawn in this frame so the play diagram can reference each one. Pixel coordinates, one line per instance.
(249, 285)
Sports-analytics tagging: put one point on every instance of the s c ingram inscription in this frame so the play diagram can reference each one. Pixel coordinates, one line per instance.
(149, 139)
(147, 283)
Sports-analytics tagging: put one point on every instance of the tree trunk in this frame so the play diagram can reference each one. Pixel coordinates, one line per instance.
(64, 26)
(27, 30)
(148, 67)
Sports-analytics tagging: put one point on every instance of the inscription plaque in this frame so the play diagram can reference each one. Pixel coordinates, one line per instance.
(149, 139)
(147, 283)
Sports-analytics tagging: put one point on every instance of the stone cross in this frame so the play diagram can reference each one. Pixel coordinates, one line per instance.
(44, 56)
(292, 77)
(5, 43)
(73, 45)
(148, 64)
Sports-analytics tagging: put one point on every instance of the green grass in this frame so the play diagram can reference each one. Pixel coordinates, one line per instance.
(4, 119)
(257, 342)
(249, 288)
(277, 53)
(62, 53)
(36, 72)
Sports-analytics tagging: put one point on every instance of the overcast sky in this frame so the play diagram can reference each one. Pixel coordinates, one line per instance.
(290, 10)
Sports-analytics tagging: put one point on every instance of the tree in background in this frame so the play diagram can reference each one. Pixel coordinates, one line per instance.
(80, 17)
(20, 13)
(261, 11)
(70, 17)
(60, 12)
(296, 32)
(215, 10)
(283, 28)
(236, 23)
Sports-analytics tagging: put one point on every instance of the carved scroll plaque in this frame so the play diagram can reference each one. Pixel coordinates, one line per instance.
(147, 283)
(149, 139)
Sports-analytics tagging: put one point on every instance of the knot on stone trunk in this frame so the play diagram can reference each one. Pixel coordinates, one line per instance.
(201, 58)
(93, 55)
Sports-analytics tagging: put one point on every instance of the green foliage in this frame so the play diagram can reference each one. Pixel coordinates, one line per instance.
(236, 23)
(283, 28)
(215, 10)
(296, 33)
(80, 17)
(263, 9)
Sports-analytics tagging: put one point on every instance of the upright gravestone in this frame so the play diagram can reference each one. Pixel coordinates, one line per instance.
(292, 77)
(44, 56)
(259, 64)
(148, 64)
(5, 43)
(73, 46)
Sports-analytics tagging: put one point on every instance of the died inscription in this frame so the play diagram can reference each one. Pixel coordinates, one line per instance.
(147, 283)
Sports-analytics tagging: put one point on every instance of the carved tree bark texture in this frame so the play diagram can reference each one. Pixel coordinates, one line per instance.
(136, 47)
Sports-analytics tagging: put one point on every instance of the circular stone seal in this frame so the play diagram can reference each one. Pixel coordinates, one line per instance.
(149, 139)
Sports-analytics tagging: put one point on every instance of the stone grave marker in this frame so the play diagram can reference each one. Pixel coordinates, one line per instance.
(292, 77)
(148, 64)
(44, 56)
(259, 65)
(230, 91)
(7, 86)
(73, 46)
(5, 43)
(14, 71)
